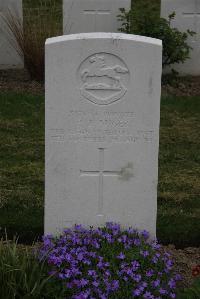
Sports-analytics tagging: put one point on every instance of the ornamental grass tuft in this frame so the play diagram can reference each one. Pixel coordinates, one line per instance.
(109, 263)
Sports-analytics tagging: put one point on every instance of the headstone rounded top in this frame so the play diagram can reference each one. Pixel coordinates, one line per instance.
(104, 35)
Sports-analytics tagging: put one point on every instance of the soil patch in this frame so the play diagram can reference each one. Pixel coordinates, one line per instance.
(185, 260)
(20, 82)
(186, 86)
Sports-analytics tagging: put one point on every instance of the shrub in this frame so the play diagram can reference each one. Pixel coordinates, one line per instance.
(109, 263)
(143, 19)
(40, 22)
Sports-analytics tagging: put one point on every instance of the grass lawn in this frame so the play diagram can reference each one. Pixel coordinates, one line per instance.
(179, 171)
(21, 164)
(22, 168)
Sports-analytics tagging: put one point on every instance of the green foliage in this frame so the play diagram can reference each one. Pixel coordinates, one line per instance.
(143, 19)
(21, 276)
(191, 293)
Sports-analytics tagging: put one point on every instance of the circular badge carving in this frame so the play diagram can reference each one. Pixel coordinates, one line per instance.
(103, 78)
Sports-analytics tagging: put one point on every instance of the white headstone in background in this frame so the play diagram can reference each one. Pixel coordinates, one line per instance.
(9, 57)
(102, 130)
(187, 17)
(92, 15)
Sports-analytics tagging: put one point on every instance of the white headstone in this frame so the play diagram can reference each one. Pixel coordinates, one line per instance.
(187, 17)
(102, 130)
(92, 15)
(9, 57)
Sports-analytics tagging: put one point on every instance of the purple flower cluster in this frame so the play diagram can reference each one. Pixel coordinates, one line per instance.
(109, 263)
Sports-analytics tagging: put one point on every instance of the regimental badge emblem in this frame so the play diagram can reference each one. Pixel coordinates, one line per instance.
(103, 78)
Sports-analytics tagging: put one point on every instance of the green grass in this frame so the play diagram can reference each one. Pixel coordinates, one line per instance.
(192, 292)
(179, 171)
(21, 164)
(22, 168)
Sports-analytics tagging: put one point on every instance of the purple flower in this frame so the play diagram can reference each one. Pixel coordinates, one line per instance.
(144, 234)
(107, 273)
(135, 265)
(121, 256)
(97, 263)
(155, 283)
(82, 295)
(95, 283)
(131, 230)
(113, 226)
(149, 273)
(162, 291)
(48, 241)
(154, 259)
(92, 273)
(83, 282)
(178, 277)
(137, 242)
(155, 246)
(95, 244)
(144, 284)
(169, 264)
(136, 292)
(148, 295)
(157, 254)
(144, 253)
(109, 238)
(115, 285)
(172, 283)
(136, 277)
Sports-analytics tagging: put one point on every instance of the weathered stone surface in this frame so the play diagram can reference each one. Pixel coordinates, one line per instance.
(9, 57)
(102, 130)
(187, 17)
(92, 15)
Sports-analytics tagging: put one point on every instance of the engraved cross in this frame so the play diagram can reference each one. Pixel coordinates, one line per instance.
(96, 13)
(196, 16)
(100, 173)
